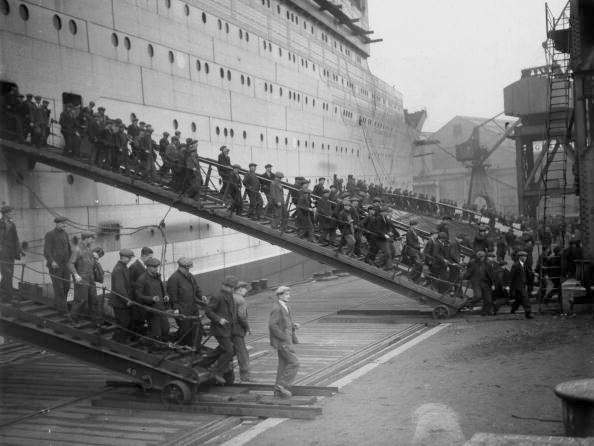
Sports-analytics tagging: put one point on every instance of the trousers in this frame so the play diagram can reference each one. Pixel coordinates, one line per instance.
(288, 366)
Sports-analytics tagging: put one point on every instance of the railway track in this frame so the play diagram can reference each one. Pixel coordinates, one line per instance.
(50, 399)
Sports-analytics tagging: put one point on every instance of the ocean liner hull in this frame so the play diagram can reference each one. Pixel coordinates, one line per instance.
(277, 82)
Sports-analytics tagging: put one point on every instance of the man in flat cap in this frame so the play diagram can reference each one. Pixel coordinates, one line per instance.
(326, 222)
(344, 221)
(137, 269)
(149, 290)
(234, 190)
(520, 275)
(81, 266)
(277, 200)
(482, 280)
(319, 187)
(241, 329)
(121, 297)
(186, 301)
(282, 338)
(10, 248)
(265, 183)
(413, 251)
(224, 169)
(222, 313)
(57, 253)
(252, 187)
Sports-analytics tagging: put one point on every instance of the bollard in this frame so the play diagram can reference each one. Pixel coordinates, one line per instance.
(578, 407)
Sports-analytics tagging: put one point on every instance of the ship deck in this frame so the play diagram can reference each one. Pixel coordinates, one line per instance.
(48, 398)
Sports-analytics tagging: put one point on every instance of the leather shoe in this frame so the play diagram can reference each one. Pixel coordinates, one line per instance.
(282, 392)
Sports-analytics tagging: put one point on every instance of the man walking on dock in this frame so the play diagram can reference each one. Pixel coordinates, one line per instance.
(57, 253)
(10, 248)
(282, 338)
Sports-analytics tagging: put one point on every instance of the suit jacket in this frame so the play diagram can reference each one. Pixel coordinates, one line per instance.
(280, 326)
(412, 240)
(57, 248)
(518, 277)
(276, 193)
(10, 247)
(184, 292)
(480, 274)
(222, 306)
(120, 285)
(146, 287)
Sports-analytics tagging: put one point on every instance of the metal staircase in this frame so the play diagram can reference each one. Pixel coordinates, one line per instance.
(211, 206)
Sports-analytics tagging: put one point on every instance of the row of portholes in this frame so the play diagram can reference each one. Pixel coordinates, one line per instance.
(24, 13)
(175, 125)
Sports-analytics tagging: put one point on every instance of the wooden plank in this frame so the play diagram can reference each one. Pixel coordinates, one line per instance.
(296, 390)
(232, 409)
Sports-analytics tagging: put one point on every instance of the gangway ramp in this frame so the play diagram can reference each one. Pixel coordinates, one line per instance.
(211, 206)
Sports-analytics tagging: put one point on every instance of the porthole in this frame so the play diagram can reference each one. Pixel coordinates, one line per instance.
(244, 134)
(298, 143)
(270, 47)
(198, 65)
(249, 81)
(168, 4)
(264, 44)
(171, 57)
(225, 132)
(242, 79)
(218, 131)
(247, 36)
(187, 10)
(286, 141)
(280, 91)
(222, 72)
(228, 75)
(262, 137)
(280, 51)
(114, 39)
(175, 124)
(4, 7)
(72, 26)
(278, 10)
(127, 43)
(313, 102)
(231, 133)
(305, 144)
(203, 17)
(227, 28)
(265, 86)
(220, 24)
(206, 67)
(276, 139)
(313, 145)
(270, 88)
(193, 126)
(151, 50)
(24, 12)
(240, 34)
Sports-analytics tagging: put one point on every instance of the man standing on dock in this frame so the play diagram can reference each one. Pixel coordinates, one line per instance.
(241, 329)
(57, 252)
(81, 266)
(10, 248)
(282, 337)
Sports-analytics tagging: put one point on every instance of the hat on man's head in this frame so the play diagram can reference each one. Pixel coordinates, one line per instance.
(522, 253)
(267, 166)
(252, 164)
(185, 262)
(45, 102)
(38, 98)
(326, 192)
(230, 281)
(29, 95)
(86, 235)
(321, 178)
(279, 174)
(242, 284)
(152, 262)
(126, 253)
(165, 133)
(6, 209)
(101, 109)
(413, 222)
(146, 251)
(460, 235)
(480, 253)
(446, 217)
(282, 289)
(236, 166)
(60, 219)
(223, 148)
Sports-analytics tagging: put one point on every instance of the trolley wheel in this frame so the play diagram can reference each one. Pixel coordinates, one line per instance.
(440, 312)
(176, 392)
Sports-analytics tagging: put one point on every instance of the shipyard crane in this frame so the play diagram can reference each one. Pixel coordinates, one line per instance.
(474, 156)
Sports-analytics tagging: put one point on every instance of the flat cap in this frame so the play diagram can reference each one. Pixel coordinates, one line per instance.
(522, 253)
(242, 283)
(152, 262)
(60, 219)
(38, 98)
(223, 148)
(321, 178)
(236, 166)
(230, 281)
(101, 109)
(165, 133)
(413, 222)
(267, 166)
(252, 164)
(45, 101)
(480, 253)
(29, 95)
(279, 174)
(282, 289)
(185, 262)
(126, 253)
(146, 251)
(85, 235)
(6, 209)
